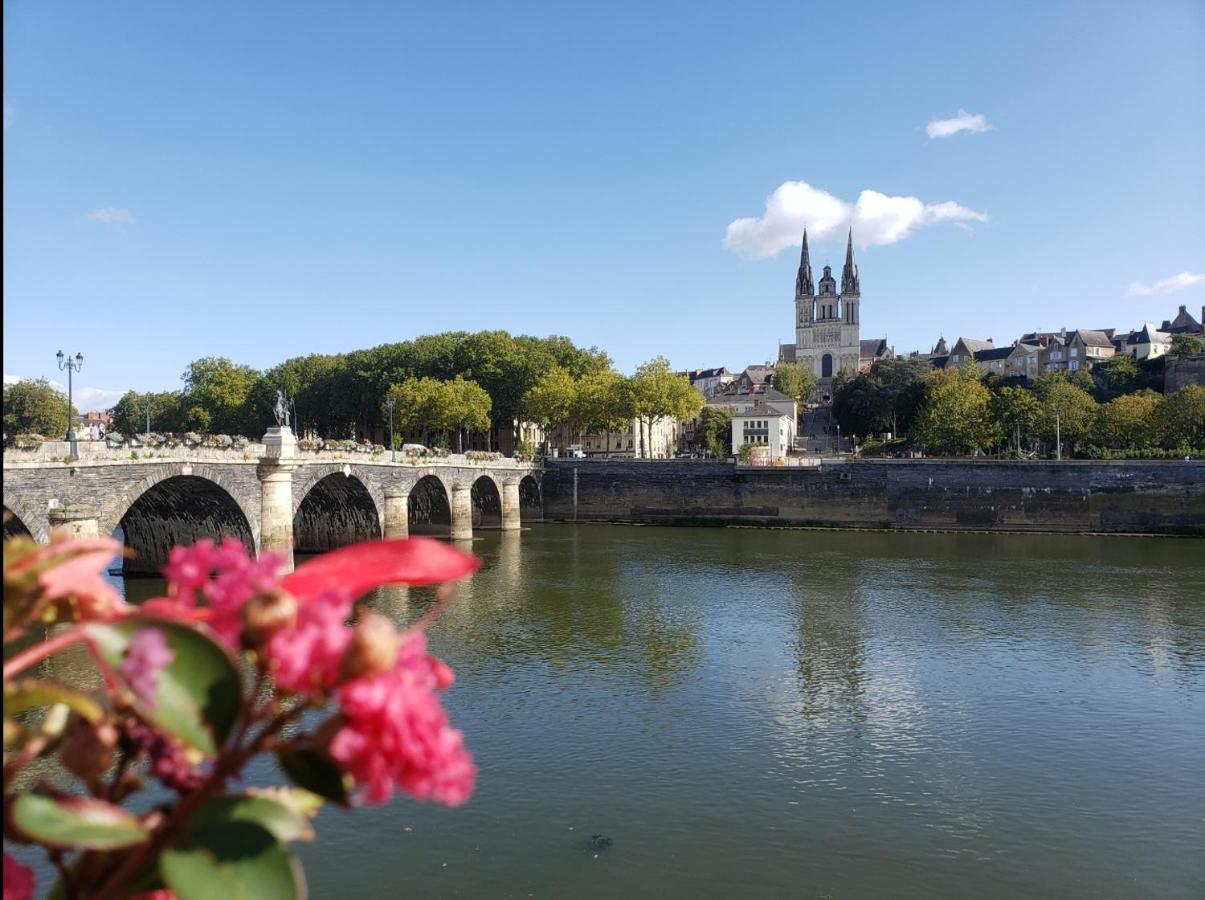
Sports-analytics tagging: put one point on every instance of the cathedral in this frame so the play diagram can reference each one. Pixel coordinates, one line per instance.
(828, 322)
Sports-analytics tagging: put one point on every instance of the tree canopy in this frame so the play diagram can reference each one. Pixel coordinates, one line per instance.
(35, 407)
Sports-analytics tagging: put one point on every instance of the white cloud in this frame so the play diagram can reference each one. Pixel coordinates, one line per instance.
(110, 215)
(86, 398)
(1166, 285)
(876, 219)
(964, 121)
(9, 113)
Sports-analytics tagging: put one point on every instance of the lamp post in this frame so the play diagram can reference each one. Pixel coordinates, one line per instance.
(296, 421)
(390, 402)
(1058, 438)
(147, 410)
(72, 365)
(838, 438)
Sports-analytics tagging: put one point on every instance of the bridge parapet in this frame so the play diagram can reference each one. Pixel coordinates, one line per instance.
(51, 453)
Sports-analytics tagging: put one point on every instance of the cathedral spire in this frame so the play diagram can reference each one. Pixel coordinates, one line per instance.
(803, 282)
(849, 275)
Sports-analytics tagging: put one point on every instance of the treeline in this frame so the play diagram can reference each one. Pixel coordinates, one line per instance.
(605, 401)
(343, 395)
(1110, 410)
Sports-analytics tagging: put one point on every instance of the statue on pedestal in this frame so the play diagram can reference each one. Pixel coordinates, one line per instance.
(281, 410)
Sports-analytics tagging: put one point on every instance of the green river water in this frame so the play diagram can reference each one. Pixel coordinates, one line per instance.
(672, 712)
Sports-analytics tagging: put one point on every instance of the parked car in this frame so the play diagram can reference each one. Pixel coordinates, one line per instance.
(576, 452)
(413, 448)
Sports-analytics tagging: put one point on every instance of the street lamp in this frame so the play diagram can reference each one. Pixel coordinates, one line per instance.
(72, 365)
(390, 402)
(296, 421)
(1058, 438)
(147, 410)
(838, 438)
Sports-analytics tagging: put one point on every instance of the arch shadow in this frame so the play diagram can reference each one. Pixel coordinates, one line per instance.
(429, 509)
(336, 511)
(178, 511)
(487, 503)
(14, 526)
(531, 501)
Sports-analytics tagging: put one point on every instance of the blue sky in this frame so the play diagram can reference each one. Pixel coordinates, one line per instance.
(266, 180)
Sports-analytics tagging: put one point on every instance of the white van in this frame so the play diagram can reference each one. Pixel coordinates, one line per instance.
(576, 451)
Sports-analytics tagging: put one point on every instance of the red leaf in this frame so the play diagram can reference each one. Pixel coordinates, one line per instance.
(362, 567)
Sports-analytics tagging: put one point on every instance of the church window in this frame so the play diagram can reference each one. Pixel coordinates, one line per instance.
(826, 366)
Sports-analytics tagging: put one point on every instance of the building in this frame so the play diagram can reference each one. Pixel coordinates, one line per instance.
(1148, 342)
(1087, 348)
(828, 321)
(964, 350)
(708, 381)
(994, 360)
(764, 424)
(1184, 323)
(661, 441)
(1024, 360)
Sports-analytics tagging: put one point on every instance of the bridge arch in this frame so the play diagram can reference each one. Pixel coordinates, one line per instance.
(486, 497)
(336, 510)
(14, 525)
(531, 500)
(176, 510)
(429, 507)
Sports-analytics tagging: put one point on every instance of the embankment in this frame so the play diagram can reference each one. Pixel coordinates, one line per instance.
(1074, 496)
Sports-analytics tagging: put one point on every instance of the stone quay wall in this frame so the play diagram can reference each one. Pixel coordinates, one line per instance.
(1071, 496)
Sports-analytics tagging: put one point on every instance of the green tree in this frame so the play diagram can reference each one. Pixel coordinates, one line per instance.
(1068, 413)
(468, 408)
(1186, 345)
(796, 381)
(1130, 421)
(1017, 411)
(1120, 373)
(33, 406)
(714, 431)
(222, 389)
(601, 403)
(1181, 418)
(888, 398)
(129, 413)
(657, 393)
(956, 418)
(552, 401)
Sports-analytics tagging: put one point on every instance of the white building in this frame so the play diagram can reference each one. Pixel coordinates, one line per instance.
(762, 424)
(660, 441)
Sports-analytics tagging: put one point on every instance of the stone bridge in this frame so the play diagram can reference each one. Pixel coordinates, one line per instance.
(272, 496)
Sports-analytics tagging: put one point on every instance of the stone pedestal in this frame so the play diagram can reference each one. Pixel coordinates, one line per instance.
(276, 493)
(76, 520)
(510, 505)
(397, 513)
(462, 512)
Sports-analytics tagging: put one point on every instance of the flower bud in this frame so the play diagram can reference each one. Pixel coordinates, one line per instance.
(87, 749)
(265, 613)
(373, 648)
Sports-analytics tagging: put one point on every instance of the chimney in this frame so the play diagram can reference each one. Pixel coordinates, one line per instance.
(1182, 309)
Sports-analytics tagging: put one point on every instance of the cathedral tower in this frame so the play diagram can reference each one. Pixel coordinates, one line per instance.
(827, 322)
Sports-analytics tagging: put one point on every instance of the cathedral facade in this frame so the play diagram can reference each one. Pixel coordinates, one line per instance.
(827, 321)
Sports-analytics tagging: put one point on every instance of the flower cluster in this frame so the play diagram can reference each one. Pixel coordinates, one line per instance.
(177, 706)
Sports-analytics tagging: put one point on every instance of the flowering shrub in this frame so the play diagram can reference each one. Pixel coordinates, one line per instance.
(238, 660)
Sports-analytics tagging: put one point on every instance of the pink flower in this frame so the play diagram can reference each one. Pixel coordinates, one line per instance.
(146, 656)
(395, 733)
(75, 569)
(18, 880)
(362, 567)
(225, 575)
(309, 655)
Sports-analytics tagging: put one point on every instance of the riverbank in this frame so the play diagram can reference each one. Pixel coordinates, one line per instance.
(1079, 496)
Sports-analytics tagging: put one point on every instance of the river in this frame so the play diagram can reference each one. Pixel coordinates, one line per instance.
(672, 712)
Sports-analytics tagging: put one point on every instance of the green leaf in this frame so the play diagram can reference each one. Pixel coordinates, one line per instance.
(77, 822)
(313, 770)
(22, 696)
(282, 822)
(199, 695)
(233, 860)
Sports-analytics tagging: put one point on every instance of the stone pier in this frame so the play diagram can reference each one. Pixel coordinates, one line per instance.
(276, 493)
(397, 512)
(510, 505)
(461, 503)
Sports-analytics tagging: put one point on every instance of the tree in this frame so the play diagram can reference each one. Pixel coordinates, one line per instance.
(1069, 413)
(417, 406)
(657, 393)
(714, 432)
(468, 407)
(1186, 345)
(1181, 418)
(129, 413)
(1129, 421)
(35, 407)
(222, 390)
(1017, 411)
(601, 403)
(796, 381)
(1120, 373)
(956, 418)
(888, 398)
(551, 401)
